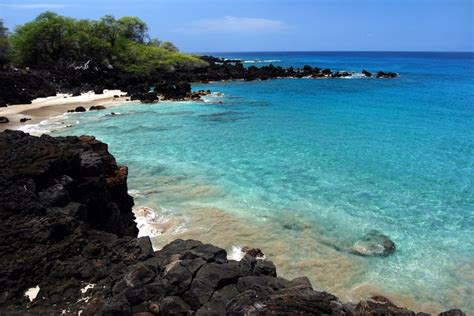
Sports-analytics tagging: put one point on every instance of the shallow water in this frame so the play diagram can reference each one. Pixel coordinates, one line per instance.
(302, 168)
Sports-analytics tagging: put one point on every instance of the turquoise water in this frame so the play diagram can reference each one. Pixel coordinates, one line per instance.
(302, 168)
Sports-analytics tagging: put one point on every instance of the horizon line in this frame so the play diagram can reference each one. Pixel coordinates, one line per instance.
(336, 51)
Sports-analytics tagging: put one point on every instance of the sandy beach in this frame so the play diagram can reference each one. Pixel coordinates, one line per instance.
(44, 108)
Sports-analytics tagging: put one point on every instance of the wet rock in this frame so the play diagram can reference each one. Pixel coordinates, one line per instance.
(342, 74)
(97, 108)
(80, 109)
(374, 243)
(254, 252)
(366, 73)
(382, 74)
(453, 312)
(24, 119)
(4, 120)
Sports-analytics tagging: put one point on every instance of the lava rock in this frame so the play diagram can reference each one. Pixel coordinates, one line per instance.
(4, 120)
(366, 73)
(80, 109)
(97, 107)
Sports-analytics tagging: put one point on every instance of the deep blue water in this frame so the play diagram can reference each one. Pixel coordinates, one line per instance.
(302, 168)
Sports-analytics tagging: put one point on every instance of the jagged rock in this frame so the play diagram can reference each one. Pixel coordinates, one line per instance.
(366, 73)
(145, 245)
(55, 195)
(173, 305)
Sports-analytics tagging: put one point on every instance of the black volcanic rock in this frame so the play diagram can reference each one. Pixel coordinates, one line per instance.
(4, 120)
(366, 73)
(97, 108)
(80, 109)
(21, 87)
(382, 74)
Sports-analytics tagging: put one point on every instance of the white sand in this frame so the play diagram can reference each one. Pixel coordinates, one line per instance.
(43, 108)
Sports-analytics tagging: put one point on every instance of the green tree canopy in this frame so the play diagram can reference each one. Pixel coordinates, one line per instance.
(170, 47)
(52, 40)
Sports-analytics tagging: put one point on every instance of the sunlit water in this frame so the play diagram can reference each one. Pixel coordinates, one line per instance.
(302, 168)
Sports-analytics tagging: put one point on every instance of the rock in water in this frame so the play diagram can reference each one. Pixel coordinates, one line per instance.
(97, 108)
(4, 120)
(374, 243)
(80, 109)
(366, 73)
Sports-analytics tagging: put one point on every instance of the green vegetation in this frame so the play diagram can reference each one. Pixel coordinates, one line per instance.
(3, 43)
(52, 40)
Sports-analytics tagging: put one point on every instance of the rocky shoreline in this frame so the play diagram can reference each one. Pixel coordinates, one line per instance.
(21, 86)
(68, 246)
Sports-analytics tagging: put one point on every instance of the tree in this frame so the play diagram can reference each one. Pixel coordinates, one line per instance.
(108, 29)
(43, 41)
(134, 29)
(169, 46)
(52, 40)
(154, 42)
(4, 45)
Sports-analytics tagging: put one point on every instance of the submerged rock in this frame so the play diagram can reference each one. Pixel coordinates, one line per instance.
(374, 243)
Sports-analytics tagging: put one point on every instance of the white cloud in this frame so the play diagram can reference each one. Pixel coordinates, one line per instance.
(234, 24)
(27, 6)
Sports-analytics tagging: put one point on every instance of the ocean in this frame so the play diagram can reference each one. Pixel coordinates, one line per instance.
(303, 168)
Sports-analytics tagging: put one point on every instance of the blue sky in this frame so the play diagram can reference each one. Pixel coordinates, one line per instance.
(281, 25)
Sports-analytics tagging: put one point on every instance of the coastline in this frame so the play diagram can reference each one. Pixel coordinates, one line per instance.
(49, 107)
(46, 108)
(185, 276)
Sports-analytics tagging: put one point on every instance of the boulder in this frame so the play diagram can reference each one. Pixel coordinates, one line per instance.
(374, 243)
(385, 75)
(80, 109)
(97, 108)
(24, 119)
(4, 120)
(366, 73)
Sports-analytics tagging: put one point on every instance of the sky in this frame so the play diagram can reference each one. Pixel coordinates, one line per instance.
(280, 25)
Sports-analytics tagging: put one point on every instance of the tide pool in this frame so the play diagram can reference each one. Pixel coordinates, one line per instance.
(303, 168)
